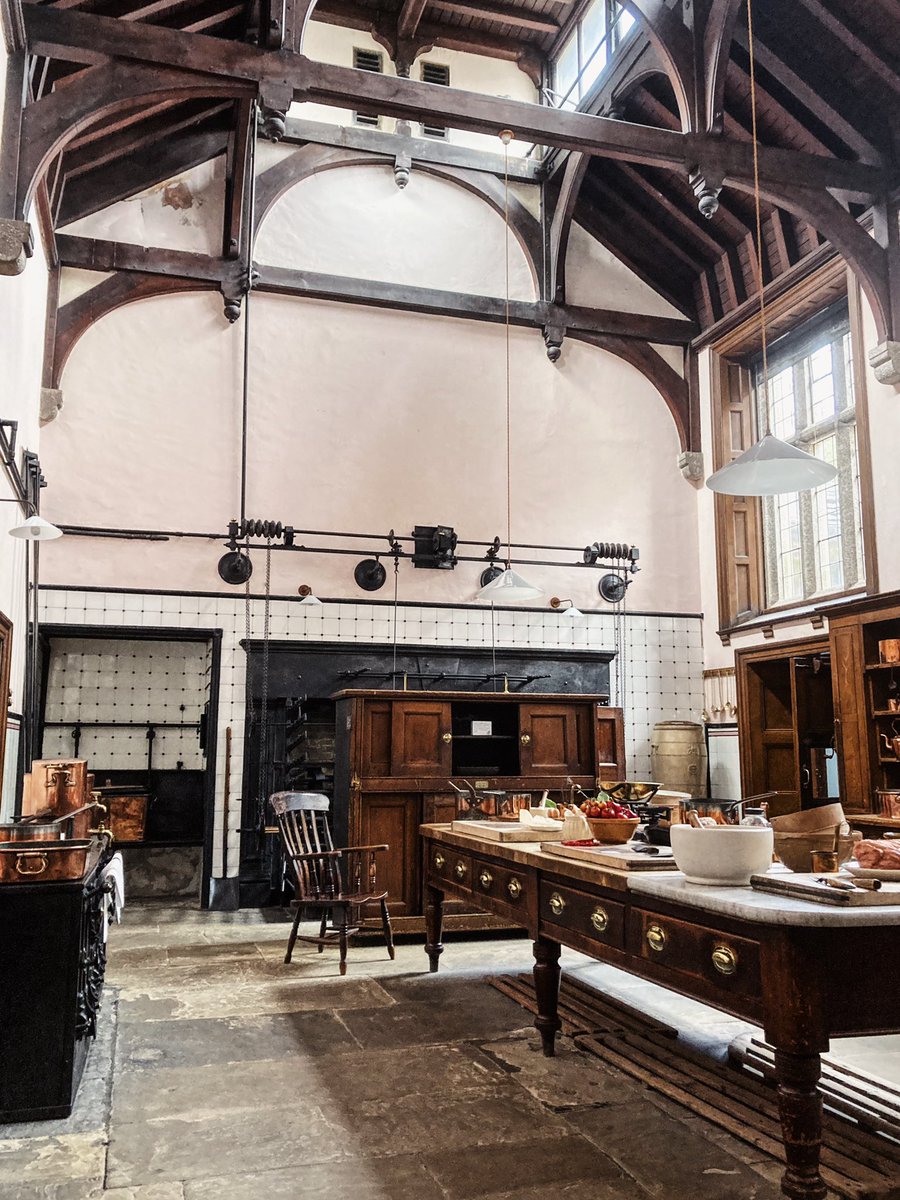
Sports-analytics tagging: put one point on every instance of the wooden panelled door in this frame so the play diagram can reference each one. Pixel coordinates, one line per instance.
(421, 739)
(549, 742)
(394, 818)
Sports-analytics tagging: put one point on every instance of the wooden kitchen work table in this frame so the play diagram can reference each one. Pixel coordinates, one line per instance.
(804, 972)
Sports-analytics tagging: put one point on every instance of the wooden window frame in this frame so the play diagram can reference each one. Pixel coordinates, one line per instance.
(729, 364)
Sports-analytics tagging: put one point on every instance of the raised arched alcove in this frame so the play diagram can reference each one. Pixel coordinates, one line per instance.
(354, 221)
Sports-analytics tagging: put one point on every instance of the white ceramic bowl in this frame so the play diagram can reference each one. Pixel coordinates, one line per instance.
(724, 855)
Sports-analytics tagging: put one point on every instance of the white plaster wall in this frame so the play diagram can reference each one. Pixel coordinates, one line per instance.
(359, 419)
(184, 213)
(355, 221)
(468, 72)
(596, 278)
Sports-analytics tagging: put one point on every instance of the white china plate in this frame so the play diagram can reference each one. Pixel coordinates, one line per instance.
(872, 873)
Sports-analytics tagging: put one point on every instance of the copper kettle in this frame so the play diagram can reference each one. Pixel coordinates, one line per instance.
(892, 744)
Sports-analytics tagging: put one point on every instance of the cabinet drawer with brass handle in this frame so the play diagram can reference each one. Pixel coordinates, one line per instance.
(450, 866)
(722, 959)
(503, 889)
(593, 918)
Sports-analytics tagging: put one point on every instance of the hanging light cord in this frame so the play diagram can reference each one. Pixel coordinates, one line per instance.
(508, 389)
(758, 208)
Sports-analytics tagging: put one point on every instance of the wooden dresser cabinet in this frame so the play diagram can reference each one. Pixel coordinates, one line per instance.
(397, 751)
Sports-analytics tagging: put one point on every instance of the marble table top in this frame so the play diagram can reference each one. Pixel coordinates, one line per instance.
(764, 908)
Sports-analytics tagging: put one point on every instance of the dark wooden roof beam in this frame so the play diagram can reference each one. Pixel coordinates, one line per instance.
(97, 255)
(484, 10)
(137, 135)
(91, 38)
(811, 99)
(409, 18)
(851, 39)
(127, 176)
(695, 228)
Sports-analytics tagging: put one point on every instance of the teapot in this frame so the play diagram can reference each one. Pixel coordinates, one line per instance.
(892, 744)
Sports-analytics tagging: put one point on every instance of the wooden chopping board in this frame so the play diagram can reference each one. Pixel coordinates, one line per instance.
(506, 831)
(619, 858)
(805, 887)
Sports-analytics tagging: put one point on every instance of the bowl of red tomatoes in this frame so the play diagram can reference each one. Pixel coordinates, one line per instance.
(611, 823)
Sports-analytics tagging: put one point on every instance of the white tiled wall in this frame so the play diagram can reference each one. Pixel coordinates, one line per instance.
(663, 654)
(109, 685)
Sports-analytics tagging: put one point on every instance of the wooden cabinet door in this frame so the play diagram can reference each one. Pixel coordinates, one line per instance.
(375, 749)
(850, 721)
(549, 744)
(421, 741)
(394, 818)
(609, 744)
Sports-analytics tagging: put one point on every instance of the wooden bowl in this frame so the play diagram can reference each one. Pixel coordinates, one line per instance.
(794, 849)
(809, 820)
(613, 831)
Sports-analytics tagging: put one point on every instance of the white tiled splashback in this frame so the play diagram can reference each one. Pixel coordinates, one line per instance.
(663, 654)
(106, 686)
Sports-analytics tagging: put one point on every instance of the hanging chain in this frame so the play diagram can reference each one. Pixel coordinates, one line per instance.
(758, 210)
(396, 584)
(264, 707)
(506, 141)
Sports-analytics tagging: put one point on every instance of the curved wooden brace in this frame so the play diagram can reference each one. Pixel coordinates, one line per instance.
(74, 318)
(52, 122)
(673, 42)
(718, 35)
(312, 159)
(561, 225)
(302, 15)
(865, 257)
(670, 385)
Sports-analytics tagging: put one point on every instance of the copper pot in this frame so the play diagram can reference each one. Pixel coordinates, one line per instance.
(26, 831)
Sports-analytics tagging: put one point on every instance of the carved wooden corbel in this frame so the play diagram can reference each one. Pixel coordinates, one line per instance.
(706, 186)
(16, 245)
(554, 336)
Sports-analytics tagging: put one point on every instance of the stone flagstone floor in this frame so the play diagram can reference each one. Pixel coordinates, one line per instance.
(222, 1074)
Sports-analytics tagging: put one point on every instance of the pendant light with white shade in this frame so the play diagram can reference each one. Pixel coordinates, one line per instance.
(508, 587)
(35, 529)
(771, 466)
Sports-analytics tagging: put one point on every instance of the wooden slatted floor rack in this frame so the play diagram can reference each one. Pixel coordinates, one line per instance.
(861, 1147)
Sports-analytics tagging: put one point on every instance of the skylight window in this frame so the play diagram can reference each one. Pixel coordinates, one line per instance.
(587, 51)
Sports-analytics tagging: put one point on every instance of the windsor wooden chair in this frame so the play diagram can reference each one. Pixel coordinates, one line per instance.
(339, 882)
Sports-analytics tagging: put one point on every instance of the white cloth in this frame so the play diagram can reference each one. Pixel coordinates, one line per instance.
(113, 876)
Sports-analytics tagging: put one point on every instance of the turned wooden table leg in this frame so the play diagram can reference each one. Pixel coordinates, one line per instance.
(434, 922)
(800, 1106)
(546, 988)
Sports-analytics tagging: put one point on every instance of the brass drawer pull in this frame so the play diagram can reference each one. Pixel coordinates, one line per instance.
(460, 870)
(600, 919)
(447, 737)
(725, 960)
(439, 860)
(657, 938)
(514, 887)
(557, 904)
(486, 879)
(526, 739)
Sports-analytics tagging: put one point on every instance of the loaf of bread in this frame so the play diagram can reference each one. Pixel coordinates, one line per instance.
(878, 854)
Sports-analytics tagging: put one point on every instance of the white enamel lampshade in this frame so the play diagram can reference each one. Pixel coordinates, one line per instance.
(770, 468)
(572, 611)
(36, 529)
(311, 599)
(508, 588)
